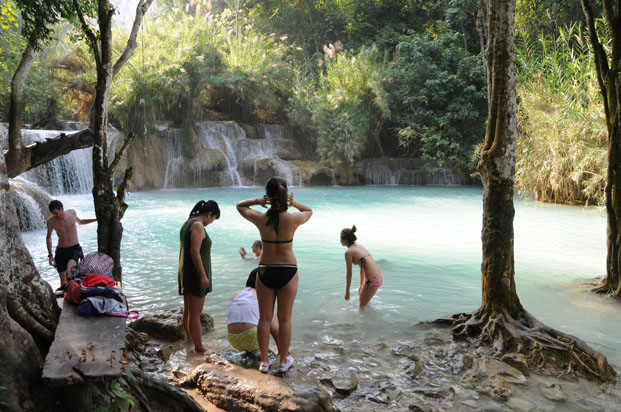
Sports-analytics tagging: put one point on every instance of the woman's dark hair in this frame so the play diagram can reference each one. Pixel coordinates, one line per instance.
(203, 207)
(347, 235)
(276, 190)
(252, 279)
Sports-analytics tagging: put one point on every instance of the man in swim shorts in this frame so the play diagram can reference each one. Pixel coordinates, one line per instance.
(68, 250)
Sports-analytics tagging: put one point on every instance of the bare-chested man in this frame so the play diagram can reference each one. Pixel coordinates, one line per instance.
(68, 250)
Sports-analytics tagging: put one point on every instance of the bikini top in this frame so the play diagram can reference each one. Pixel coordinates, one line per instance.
(276, 241)
(362, 259)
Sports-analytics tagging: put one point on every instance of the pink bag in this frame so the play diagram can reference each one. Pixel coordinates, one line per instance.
(97, 263)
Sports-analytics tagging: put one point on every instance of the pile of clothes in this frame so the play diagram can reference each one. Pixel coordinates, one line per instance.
(93, 289)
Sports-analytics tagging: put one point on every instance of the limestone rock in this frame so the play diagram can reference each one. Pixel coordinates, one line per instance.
(344, 381)
(166, 325)
(490, 376)
(234, 388)
(518, 361)
(439, 393)
(520, 405)
(553, 392)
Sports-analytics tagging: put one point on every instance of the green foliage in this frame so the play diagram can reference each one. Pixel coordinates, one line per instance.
(547, 17)
(349, 107)
(116, 394)
(188, 63)
(439, 95)
(561, 145)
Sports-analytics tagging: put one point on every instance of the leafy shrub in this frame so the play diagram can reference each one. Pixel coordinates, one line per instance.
(562, 138)
(350, 106)
(439, 95)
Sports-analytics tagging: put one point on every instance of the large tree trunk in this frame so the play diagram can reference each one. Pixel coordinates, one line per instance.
(501, 323)
(16, 107)
(610, 88)
(28, 309)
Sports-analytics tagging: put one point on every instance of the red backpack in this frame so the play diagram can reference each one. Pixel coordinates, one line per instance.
(72, 294)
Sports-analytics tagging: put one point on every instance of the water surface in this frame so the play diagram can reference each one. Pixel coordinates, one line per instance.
(426, 241)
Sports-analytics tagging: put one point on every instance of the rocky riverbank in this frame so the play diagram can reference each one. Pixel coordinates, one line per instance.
(426, 371)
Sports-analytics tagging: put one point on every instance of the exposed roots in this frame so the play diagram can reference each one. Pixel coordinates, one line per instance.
(603, 286)
(31, 324)
(544, 347)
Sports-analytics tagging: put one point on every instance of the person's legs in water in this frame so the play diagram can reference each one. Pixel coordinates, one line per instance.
(367, 291)
(185, 320)
(285, 297)
(266, 298)
(195, 304)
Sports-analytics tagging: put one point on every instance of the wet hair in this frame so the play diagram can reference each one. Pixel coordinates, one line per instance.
(55, 204)
(252, 279)
(276, 190)
(203, 207)
(347, 235)
(258, 243)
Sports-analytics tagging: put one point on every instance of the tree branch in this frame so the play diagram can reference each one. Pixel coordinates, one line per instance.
(141, 10)
(42, 152)
(601, 60)
(121, 192)
(117, 157)
(89, 33)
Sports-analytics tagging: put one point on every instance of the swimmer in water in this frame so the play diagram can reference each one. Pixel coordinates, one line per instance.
(370, 275)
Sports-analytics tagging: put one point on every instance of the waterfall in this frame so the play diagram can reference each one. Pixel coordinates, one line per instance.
(67, 174)
(300, 170)
(175, 164)
(31, 204)
(223, 136)
(70, 173)
(379, 174)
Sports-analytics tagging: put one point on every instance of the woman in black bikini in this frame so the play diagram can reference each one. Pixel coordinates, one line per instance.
(278, 273)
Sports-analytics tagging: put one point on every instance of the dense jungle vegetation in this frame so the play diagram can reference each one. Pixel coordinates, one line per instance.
(357, 78)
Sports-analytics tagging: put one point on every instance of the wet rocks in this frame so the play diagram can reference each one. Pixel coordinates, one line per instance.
(492, 377)
(344, 381)
(520, 405)
(166, 325)
(438, 393)
(234, 388)
(553, 392)
(518, 361)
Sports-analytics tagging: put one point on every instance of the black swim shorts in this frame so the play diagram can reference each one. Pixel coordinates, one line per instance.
(65, 254)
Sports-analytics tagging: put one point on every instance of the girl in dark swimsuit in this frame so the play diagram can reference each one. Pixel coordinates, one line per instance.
(278, 274)
(370, 275)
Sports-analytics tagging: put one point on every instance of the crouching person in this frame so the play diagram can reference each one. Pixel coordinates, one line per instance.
(244, 317)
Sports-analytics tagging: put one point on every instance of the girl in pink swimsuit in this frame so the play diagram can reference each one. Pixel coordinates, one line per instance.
(370, 275)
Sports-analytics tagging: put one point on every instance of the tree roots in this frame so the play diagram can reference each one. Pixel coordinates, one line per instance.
(603, 286)
(544, 347)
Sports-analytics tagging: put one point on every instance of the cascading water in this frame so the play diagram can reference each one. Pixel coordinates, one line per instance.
(223, 136)
(70, 173)
(175, 165)
(31, 202)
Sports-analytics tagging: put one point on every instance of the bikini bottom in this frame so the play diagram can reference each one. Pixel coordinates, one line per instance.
(244, 341)
(277, 276)
(376, 281)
